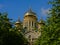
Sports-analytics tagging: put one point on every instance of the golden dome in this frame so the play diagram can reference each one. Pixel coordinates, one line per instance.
(18, 21)
(41, 21)
(30, 12)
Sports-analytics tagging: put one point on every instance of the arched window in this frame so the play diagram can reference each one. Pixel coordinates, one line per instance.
(32, 23)
(26, 24)
(35, 24)
(29, 23)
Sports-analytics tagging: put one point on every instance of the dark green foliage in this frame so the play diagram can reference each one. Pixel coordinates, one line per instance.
(4, 22)
(51, 31)
(12, 38)
(8, 34)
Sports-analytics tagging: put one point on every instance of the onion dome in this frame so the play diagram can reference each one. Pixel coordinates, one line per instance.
(41, 22)
(18, 21)
(30, 12)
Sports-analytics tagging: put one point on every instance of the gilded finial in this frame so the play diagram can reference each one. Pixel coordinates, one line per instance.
(19, 19)
(30, 9)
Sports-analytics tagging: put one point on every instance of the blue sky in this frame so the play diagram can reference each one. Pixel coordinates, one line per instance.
(16, 8)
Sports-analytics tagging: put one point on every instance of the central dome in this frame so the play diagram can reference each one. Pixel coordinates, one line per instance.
(30, 12)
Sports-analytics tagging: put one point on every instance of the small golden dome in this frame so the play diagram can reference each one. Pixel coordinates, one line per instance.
(41, 21)
(18, 21)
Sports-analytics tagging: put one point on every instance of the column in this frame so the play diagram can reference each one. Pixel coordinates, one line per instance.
(28, 25)
(34, 24)
(23, 24)
(31, 25)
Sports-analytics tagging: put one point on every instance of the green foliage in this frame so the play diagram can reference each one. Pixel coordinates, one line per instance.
(51, 31)
(4, 22)
(8, 34)
(12, 38)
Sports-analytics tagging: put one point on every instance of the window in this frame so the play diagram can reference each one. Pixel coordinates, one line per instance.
(32, 23)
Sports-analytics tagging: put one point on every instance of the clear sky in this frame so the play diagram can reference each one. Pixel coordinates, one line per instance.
(16, 8)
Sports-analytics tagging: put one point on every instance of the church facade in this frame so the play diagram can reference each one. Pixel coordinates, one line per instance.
(30, 25)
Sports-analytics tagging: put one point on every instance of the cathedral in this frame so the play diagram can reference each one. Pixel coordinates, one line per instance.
(30, 26)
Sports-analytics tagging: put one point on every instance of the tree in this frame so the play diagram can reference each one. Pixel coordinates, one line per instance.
(51, 31)
(4, 22)
(8, 34)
